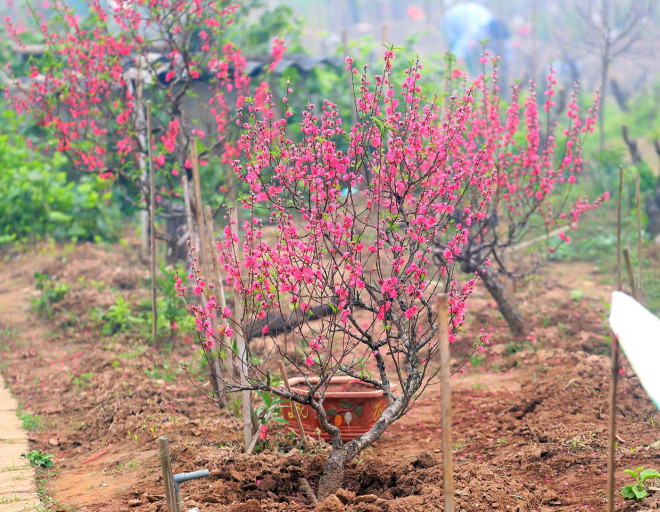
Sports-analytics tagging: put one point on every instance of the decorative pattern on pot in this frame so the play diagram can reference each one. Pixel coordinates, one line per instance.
(350, 404)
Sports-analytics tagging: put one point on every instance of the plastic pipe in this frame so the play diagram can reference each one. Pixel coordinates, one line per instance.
(179, 478)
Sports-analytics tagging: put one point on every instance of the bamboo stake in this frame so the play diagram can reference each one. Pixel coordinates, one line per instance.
(214, 260)
(639, 236)
(447, 462)
(168, 479)
(241, 346)
(219, 285)
(202, 257)
(631, 277)
(152, 231)
(614, 368)
(189, 214)
(142, 164)
(201, 253)
(618, 230)
(296, 413)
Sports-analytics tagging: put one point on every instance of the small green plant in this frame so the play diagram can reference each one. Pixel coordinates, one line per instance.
(637, 491)
(30, 421)
(164, 373)
(270, 410)
(84, 380)
(51, 293)
(119, 318)
(577, 295)
(39, 459)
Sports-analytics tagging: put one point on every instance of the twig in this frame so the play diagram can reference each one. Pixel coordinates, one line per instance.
(447, 462)
(296, 414)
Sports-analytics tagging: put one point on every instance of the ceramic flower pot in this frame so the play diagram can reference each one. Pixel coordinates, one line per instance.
(350, 404)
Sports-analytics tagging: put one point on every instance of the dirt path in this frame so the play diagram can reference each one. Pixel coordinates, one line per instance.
(17, 488)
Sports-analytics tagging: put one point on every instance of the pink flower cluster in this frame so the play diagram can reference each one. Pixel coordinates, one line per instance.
(353, 216)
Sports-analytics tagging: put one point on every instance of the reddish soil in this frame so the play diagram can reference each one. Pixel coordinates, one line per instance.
(530, 418)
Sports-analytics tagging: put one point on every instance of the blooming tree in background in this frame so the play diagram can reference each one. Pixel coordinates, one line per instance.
(89, 89)
(535, 167)
(347, 217)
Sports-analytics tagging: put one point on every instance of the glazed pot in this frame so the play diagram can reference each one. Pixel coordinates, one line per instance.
(350, 404)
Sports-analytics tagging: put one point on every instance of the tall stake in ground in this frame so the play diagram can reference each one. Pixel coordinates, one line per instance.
(445, 374)
(168, 479)
(213, 258)
(614, 366)
(639, 236)
(294, 406)
(240, 341)
(202, 256)
(152, 231)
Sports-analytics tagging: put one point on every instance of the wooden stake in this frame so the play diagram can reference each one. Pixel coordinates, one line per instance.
(639, 237)
(240, 344)
(152, 231)
(296, 414)
(189, 215)
(631, 277)
(618, 231)
(142, 164)
(201, 253)
(611, 463)
(614, 367)
(219, 285)
(212, 255)
(202, 258)
(168, 479)
(447, 461)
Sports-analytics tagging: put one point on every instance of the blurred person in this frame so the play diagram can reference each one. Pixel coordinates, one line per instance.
(466, 26)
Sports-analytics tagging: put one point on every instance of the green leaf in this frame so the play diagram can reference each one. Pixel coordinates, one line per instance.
(332, 412)
(648, 473)
(577, 295)
(345, 405)
(640, 493)
(631, 472)
(627, 492)
(359, 411)
(59, 217)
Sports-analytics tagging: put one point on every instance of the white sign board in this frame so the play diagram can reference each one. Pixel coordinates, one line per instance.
(638, 332)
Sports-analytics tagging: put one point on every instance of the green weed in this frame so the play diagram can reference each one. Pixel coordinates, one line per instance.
(637, 491)
(39, 459)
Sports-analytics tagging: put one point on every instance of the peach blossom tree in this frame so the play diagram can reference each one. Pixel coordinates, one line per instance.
(535, 159)
(88, 90)
(346, 219)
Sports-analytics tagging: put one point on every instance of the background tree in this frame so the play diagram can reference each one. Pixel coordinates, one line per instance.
(89, 88)
(609, 29)
(535, 170)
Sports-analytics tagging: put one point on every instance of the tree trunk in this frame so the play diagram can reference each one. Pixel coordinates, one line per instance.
(505, 303)
(333, 473)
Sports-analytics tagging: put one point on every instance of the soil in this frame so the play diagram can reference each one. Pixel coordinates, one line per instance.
(529, 416)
